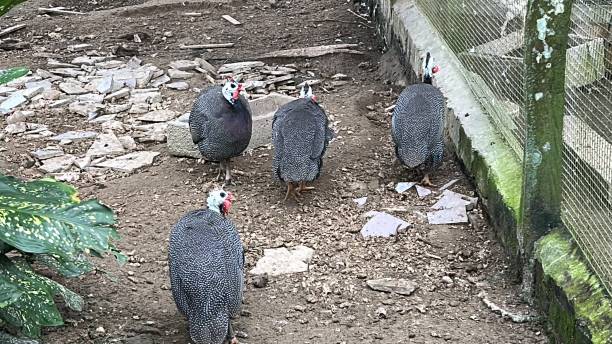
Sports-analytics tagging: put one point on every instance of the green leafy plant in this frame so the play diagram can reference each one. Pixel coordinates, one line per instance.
(6, 5)
(45, 222)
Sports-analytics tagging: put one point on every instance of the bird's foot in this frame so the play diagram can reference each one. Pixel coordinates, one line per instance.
(303, 187)
(426, 182)
(294, 192)
(234, 341)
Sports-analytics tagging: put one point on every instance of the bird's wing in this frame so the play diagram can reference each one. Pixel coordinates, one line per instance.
(321, 133)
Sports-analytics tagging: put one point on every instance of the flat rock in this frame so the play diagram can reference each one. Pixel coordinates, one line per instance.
(130, 162)
(61, 102)
(16, 128)
(48, 153)
(206, 66)
(179, 85)
(75, 135)
(122, 93)
(58, 164)
(230, 67)
(105, 144)
(382, 225)
(175, 74)
(128, 142)
(103, 85)
(280, 261)
(117, 108)
(88, 60)
(67, 72)
(12, 102)
(5, 91)
(91, 97)
(139, 108)
(159, 81)
(45, 84)
(72, 88)
(448, 216)
(19, 116)
(184, 65)
(88, 109)
(390, 285)
(159, 116)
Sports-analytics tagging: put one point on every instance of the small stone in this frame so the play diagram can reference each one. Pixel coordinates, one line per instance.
(69, 177)
(79, 47)
(72, 88)
(16, 128)
(90, 110)
(139, 108)
(122, 93)
(339, 76)
(179, 85)
(19, 116)
(159, 116)
(44, 84)
(260, 281)
(117, 108)
(390, 285)
(58, 164)
(184, 65)
(381, 312)
(75, 135)
(47, 153)
(447, 280)
(279, 261)
(128, 142)
(178, 74)
(51, 94)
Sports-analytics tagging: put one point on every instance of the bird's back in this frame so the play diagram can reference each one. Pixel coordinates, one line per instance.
(300, 134)
(219, 129)
(418, 126)
(206, 264)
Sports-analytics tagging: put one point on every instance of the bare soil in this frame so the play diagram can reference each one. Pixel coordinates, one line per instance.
(329, 304)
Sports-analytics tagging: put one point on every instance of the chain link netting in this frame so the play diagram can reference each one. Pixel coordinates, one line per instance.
(587, 134)
(488, 39)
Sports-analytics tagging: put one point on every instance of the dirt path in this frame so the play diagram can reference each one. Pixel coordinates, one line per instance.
(329, 304)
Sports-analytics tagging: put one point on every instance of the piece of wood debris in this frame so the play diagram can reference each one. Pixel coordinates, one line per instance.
(58, 10)
(237, 66)
(192, 14)
(516, 318)
(315, 51)
(390, 108)
(208, 46)
(433, 256)
(448, 185)
(12, 29)
(231, 19)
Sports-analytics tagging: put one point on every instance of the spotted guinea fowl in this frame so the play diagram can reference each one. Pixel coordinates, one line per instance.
(300, 134)
(206, 262)
(221, 124)
(417, 124)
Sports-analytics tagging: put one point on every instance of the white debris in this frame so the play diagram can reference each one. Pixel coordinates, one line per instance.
(422, 191)
(382, 225)
(448, 185)
(184, 65)
(72, 88)
(360, 201)
(12, 102)
(452, 199)
(457, 214)
(75, 135)
(48, 153)
(179, 74)
(280, 261)
(403, 186)
(179, 86)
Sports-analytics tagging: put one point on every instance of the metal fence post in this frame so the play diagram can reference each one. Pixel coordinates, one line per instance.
(547, 27)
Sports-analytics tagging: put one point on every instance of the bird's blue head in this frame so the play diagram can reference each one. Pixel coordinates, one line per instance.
(220, 201)
(231, 90)
(429, 68)
(306, 92)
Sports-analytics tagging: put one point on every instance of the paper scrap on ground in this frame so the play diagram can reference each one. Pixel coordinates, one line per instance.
(403, 186)
(360, 201)
(382, 225)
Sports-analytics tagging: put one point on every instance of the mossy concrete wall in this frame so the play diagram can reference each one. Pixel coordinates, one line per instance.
(576, 306)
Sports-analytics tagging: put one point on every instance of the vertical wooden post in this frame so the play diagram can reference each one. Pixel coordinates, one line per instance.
(547, 27)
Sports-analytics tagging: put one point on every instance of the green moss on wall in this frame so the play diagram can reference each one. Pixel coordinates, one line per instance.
(583, 309)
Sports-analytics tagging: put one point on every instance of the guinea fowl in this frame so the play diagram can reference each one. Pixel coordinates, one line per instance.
(221, 124)
(417, 125)
(300, 134)
(206, 262)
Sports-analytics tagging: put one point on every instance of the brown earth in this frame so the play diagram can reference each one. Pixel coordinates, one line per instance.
(330, 303)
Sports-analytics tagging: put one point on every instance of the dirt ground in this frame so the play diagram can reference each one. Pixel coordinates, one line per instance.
(329, 304)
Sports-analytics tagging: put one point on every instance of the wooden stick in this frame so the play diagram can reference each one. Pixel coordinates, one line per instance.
(314, 51)
(58, 10)
(208, 46)
(12, 29)
(231, 19)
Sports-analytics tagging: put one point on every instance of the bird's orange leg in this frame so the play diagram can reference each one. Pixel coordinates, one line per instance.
(303, 187)
(425, 181)
(290, 190)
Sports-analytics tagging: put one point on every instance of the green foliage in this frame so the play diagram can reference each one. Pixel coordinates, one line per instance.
(6, 5)
(12, 74)
(44, 221)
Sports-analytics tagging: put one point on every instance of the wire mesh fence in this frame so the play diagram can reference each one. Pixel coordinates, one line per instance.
(587, 159)
(487, 36)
